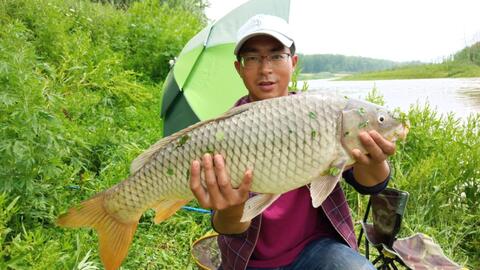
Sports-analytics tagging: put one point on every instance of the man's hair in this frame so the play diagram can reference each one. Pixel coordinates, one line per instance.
(292, 51)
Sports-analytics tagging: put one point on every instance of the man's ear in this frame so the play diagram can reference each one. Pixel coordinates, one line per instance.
(238, 67)
(294, 60)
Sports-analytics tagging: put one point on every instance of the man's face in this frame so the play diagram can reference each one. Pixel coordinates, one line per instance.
(267, 79)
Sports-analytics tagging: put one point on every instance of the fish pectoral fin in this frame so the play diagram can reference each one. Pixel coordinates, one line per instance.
(256, 204)
(322, 185)
(114, 236)
(166, 208)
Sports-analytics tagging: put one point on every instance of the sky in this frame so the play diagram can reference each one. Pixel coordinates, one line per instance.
(398, 30)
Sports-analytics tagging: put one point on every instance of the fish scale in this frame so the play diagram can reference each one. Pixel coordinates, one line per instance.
(288, 142)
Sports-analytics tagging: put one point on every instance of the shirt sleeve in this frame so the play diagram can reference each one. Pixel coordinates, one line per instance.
(348, 176)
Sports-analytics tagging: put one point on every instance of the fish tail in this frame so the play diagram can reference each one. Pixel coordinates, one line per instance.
(114, 236)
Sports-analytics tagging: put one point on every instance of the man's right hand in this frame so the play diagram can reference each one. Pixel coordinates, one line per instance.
(219, 194)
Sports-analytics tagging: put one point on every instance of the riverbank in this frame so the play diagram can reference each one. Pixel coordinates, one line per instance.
(321, 76)
(428, 71)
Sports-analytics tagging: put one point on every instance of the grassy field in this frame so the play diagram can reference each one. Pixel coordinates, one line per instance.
(444, 70)
(80, 99)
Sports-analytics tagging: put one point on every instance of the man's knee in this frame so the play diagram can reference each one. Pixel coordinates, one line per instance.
(333, 255)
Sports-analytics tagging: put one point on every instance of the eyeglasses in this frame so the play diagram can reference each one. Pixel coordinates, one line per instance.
(252, 61)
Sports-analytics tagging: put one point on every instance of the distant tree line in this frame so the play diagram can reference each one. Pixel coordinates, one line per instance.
(470, 54)
(316, 63)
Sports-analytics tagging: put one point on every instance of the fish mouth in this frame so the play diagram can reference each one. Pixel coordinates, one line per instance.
(403, 135)
(399, 133)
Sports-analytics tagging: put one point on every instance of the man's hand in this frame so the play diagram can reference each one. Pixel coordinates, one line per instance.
(219, 194)
(372, 169)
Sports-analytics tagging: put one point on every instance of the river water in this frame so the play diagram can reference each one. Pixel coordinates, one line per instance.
(460, 96)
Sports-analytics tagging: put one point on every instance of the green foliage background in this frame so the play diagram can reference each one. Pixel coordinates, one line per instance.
(80, 98)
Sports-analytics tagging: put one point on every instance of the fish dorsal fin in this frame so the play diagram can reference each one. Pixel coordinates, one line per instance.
(322, 185)
(143, 158)
(256, 205)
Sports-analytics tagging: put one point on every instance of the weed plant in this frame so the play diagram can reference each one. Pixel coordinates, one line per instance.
(438, 166)
(80, 98)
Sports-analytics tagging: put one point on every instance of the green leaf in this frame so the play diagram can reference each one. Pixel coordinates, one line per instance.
(334, 171)
(220, 135)
(363, 124)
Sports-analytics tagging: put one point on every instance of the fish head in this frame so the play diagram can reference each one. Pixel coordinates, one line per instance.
(359, 116)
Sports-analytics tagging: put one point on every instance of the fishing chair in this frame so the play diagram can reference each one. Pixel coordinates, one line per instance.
(415, 252)
(387, 211)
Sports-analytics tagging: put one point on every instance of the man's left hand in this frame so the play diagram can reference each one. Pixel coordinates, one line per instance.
(372, 168)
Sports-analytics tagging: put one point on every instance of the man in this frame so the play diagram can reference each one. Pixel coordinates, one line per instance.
(290, 234)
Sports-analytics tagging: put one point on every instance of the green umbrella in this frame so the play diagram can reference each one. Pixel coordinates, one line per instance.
(203, 82)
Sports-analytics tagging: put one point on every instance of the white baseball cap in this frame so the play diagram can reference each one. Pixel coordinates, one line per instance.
(263, 24)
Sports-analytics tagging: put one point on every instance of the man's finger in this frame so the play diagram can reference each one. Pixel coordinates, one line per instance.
(246, 184)
(197, 189)
(360, 157)
(223, 179)
(211, 180)
(371, 146)
(387, 147)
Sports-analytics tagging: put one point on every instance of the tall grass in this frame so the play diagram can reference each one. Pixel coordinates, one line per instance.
(438, 166)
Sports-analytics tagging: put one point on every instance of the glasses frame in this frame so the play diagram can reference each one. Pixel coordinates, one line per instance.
(269, 59)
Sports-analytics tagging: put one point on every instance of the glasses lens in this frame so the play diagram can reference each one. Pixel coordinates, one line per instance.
(254, 61)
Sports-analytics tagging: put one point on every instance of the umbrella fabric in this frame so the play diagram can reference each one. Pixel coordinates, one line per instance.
(203, 83)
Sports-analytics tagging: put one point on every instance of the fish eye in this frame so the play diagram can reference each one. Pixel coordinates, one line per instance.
(381, 119)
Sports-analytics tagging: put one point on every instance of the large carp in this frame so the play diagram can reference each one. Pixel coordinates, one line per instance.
(288, 142)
